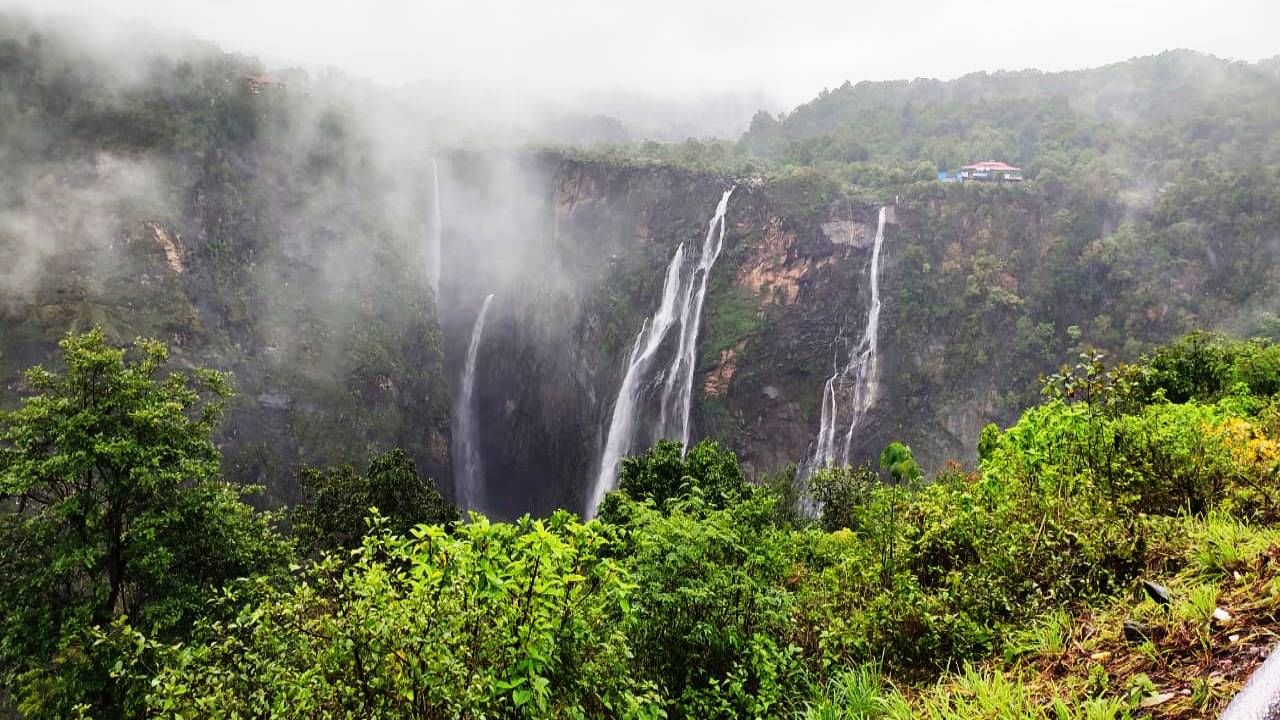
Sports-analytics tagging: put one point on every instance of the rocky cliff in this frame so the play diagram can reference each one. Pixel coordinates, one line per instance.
(312, 288)
(575, 253)
(283, 231)
(258, 232)
(984, 288)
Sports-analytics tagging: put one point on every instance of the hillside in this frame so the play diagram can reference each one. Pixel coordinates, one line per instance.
(1132, 124)
(866, 444)
(263, 231)
(277, 225)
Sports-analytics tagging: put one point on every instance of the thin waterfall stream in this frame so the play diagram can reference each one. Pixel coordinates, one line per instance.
(469, 470)
(862, 370)
(435, 232)
(683, 293)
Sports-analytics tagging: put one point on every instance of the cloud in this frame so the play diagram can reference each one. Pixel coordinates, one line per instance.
(67, 221)
(559, 50)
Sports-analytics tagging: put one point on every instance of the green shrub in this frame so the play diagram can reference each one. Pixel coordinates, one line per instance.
(498, 620)
(337, 501)
(666, 472)
(712, 620)
(854, 694)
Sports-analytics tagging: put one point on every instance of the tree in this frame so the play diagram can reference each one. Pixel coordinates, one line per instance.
(338, 501)
(665, 472)
(844, 494)
(902, 466)
(900, 463)
(713, 614)
(111, 507)
(788, 494)
(523, 620)
(988, 441)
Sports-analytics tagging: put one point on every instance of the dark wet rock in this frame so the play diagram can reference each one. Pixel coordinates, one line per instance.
(1157, 592)
(1136, 632)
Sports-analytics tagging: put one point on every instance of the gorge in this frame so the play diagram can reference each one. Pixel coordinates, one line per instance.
(327, 268)
(324, 396)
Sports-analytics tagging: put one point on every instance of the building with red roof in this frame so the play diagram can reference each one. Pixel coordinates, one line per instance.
(991, 171)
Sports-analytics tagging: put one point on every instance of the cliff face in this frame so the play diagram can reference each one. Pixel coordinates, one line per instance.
(983, 287)
(577, 265)
(280, 232)
(267, 240)
(311, 286)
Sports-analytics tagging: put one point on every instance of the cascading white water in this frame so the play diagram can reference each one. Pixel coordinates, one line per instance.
(435, 232)
(862, 370)
(825, 450)
(865, 361)
(678, 390)
(683, 293)
(622, 423)
(469, 470)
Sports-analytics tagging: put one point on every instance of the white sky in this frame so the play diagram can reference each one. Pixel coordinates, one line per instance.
(789, 49)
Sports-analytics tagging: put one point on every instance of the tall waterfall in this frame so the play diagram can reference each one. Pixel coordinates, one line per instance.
(862, 370)
(678, 391)
(468, 469)
(435, 232)
(683, 293)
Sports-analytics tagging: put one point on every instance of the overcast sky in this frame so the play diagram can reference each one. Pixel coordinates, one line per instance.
(789, 49)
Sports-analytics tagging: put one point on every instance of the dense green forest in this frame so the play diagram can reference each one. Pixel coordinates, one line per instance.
(134, 581)
(1130, 126)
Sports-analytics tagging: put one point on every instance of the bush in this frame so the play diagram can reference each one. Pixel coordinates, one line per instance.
(497, 620)
(712, 612)
(337, 502)
(666, 472)
(842, 494)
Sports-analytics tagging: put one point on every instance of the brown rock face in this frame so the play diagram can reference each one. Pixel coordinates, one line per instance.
(172, 256)
(845, 232)
(716, 383)
(772, 270)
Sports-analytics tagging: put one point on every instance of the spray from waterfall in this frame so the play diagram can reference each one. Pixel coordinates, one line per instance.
(434, 233)
(468, 468)
(683, 293)
(862, 371)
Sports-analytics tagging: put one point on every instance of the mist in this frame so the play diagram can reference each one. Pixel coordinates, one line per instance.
(294, 175)
(497, 63)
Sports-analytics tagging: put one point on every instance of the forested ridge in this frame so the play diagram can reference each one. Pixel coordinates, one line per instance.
(151, 191)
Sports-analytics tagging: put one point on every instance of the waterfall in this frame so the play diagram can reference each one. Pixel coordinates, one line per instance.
(864, 363)
(622, 423)
(678, 391)
(434, 233)
(862, 370)
(469, 471)
(683, 292)
(825, 450)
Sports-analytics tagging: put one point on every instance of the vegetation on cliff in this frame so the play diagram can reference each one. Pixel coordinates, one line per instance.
(991, 287)
(262, 231)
